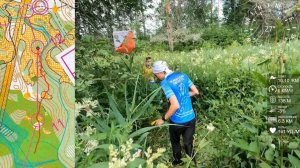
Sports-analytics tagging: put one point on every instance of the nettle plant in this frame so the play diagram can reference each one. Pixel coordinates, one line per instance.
(116, 128)
(231, 81)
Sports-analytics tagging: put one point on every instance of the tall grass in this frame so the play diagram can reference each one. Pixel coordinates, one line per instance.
(232, 82)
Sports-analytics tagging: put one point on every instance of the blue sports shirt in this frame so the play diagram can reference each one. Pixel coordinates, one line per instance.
(178, 84)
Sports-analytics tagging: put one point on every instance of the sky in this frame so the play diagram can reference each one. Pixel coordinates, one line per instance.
(154, 23)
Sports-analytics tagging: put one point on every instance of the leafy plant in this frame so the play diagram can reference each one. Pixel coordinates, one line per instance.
(232, 83)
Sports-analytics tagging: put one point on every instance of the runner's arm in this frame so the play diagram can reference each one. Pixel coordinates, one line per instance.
(193, 91)
(173, 107)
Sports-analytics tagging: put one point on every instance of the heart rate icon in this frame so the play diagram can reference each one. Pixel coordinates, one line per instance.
(272, 130)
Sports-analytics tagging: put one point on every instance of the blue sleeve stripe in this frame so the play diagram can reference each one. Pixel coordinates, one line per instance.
(167, 90)
(169, 94)
(190, 83)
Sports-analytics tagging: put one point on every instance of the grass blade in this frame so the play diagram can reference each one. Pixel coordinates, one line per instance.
(143, 109)
(134, 94)
(115, 111)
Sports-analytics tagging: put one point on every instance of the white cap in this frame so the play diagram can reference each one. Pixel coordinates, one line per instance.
(161, 66)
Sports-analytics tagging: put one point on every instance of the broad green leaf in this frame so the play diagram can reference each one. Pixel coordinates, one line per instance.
(102, 52)
(269, 155)
(249, 118)
(295, 161)
(241, 143)
(264, 165)
(293, 145)
(124, 76)
(141, 131)
(144, 108)
(259, 77)
(142, 137)
(135, 146)
(202, 143)
(253, 147)
(146, 129)
(136, 163)
(297, 153)
(264, 62)
(249, 155)
(100, 125)
(115, 111)
(249, 127)
(98, 165)
(105, 146)
(99, 136)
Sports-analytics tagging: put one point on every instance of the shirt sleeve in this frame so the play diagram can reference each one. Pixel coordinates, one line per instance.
(167, 90)
(144, 70)
(190, 83)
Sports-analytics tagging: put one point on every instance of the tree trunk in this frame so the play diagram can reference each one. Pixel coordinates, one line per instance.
(178, 15)
(143, 17)
(211, 11)
(169, 25)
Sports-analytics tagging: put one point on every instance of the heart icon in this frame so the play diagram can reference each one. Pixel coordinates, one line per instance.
(272, 130)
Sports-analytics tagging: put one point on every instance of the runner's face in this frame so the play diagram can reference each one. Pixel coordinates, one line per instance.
(160, 76)
(148, 62)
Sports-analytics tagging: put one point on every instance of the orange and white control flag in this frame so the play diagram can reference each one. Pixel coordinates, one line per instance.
(124, 41)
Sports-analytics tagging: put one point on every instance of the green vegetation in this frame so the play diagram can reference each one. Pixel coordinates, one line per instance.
(232, 81)
(228, 50)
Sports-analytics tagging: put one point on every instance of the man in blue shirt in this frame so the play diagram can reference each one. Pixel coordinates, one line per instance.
(178, 89)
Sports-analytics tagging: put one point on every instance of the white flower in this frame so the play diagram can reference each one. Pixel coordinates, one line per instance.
(89, 131)
(120, 159)
(113, 152)
(149, 152)
(123, 148)
(87, 105)
(262, 52)
(247, 21)
(90, 146)
(137, 154)
(161, 165)
(217, 57)
(236, 80)
(273, 146)
(210, 127)
(252, 59)
(154, 156)
(78, 107)
(293, 36)
(89, 102)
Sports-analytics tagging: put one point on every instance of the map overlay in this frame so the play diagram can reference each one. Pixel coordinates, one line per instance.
(37, 78)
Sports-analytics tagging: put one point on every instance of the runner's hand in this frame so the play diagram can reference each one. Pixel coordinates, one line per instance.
(159, 122)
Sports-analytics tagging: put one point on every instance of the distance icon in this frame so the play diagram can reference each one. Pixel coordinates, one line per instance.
(272, 89)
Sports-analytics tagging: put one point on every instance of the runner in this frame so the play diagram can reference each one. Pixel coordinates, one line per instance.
(178, 89)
